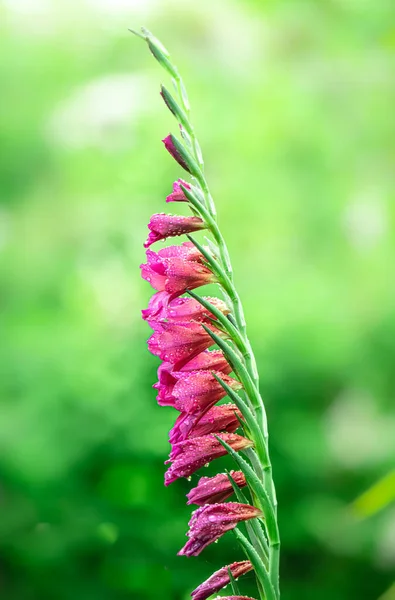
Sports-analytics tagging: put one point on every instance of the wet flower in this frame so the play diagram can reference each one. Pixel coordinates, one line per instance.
(198, 391)
(210, 522)
(236, 598)
(220, 579)
(211, 360)
(178, 195)
(217, 418)
(170, 145)
(162, 308)
(162, 226)
(179, 341)
(190, 455)
(211, 490)
(176, 269)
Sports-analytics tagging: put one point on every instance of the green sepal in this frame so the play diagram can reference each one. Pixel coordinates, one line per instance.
(233, 584)
(241, 497)
(183, 94)
(253, 527)
(221, 318)
(213, 247)
(187, 158)
(174, 107)
(192, 196)
(259, 491)
(232, 357)
(257, 563)
(159, 52)
(211, 261)
(241, 405)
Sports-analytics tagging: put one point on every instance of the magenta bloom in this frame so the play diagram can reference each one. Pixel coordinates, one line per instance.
(211, 490)
(209, 522)
(236, 598)
(178, 195)
(179, 341)
(211, 360)
(176, 269)
(162, 226)
(171, 148)
(220, 579)
(198, 391)
(162, 308)
(217, 418)
(190, 455)
(194, 394)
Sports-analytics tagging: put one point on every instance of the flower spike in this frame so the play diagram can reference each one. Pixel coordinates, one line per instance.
(193, 379)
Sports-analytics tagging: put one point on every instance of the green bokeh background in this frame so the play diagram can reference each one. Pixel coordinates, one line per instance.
(293, 102)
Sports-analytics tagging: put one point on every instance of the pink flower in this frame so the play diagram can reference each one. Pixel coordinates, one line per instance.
(211, 490)
(179, 341)
(171, 148)
(198, 391)
(162, 226)
(220, 579)
(211, 360)
(162, 308)
(178, 195)
(209, 522)
(236, 598)
(176, 269)
(217, 418)
(190, 455)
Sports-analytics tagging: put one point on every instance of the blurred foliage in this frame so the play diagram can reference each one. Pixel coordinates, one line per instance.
(293, 102)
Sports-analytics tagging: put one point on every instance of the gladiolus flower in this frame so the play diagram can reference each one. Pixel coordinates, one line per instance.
(162, 308)
(176, 269)
(211, 360)
(218, 418)
(179, 341)
(190, 455)
(220, 579)
(211, 490)
(236, 598)
(162, 226)
(178, 195)
(171, 148)
(210, 522)
(198, 391)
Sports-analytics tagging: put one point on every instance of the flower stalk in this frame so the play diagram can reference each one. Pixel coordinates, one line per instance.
(192, 379)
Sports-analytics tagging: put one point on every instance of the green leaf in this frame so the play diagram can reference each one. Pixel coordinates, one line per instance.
(259, 491)
(209, 258)
(175, 108)
(227, 325)
(243, 408)
(257, 563)
(159, 52)
(186, 157)
(253, 527)
(233, 584)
